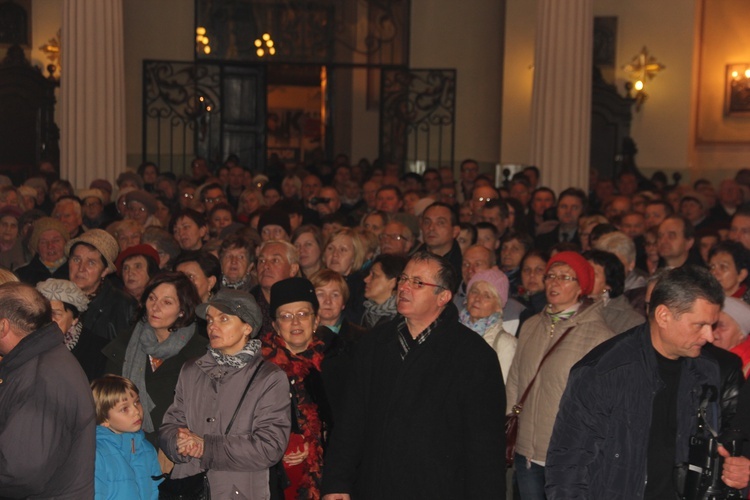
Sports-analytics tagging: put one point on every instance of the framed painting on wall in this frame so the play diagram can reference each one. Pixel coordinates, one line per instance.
(737, 93)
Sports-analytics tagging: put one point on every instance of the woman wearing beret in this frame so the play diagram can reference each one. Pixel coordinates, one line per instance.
(136, 266)
(568, 280)
(230, 380)
(295, 346)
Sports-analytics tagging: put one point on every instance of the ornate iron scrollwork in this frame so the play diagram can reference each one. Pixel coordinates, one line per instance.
(417, 115)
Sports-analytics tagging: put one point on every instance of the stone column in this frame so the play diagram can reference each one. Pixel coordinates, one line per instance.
(561, 101)
(92, 91)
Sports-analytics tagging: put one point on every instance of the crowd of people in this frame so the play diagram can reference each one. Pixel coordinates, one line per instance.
(350, 331)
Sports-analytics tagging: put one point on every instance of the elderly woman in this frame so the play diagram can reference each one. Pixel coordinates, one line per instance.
(729, 262)
(231, 415)
(48, 240)
(127, 232)
(153, 352)
(237, 257)
(381, 283)
(732, 329)
(136, 266)
(203, 269)
(296, 348)
(141, 207)
(165, 245)
(189, 228)
(609, 285)
(487, 294)
(13, 253)
(375, 221)
(568, 328)
(345, 254)
(67, 302)
(308, 240)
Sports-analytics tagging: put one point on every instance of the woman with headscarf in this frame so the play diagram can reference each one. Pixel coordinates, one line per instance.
(231, 415)
(153, 352)
(568, 328)
(486, 295)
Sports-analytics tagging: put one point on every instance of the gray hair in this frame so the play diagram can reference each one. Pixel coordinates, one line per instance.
(619, 244)
(292, 255)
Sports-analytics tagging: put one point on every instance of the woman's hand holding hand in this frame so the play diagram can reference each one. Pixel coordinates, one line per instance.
(189, 444)
(297, 457)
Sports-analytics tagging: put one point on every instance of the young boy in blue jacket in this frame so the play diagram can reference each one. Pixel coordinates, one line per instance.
(125, 462)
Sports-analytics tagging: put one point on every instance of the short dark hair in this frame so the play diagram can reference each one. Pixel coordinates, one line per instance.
(614, 270)
(668, 209)
(543, 190)
(454, 217)
(187, 295)
(578, 193)
(535, 252)
(391, 187)
(688, 230)
(209, 264)
(392, 265)
(24, 307)
(523, 238)
(487, 226)
(498, 203)
(238, 240)
(465, 226)
(447, 276)
(679, 288)
(194, 215)
(740, 255)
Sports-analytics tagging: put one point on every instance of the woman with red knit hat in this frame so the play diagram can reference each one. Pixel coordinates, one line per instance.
(568, 328)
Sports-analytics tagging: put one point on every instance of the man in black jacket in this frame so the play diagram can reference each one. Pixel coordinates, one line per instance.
(425, 403)
(631, 404)
(47, 424)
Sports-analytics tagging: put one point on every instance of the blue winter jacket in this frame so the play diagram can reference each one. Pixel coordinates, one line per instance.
(125, 464)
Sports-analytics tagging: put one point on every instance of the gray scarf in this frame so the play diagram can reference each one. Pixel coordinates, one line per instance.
(143, 344)
(373, 312)
(237, 360)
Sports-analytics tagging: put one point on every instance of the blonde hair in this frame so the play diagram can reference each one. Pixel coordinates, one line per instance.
(7, 276)
(108, 391)
(359, 247)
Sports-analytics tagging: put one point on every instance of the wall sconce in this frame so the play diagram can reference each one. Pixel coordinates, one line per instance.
(641, 67)
(52, 50)
(737, 94)
(264, 45)
(202, 41)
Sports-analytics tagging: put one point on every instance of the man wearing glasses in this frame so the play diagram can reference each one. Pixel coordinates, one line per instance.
(424, 410)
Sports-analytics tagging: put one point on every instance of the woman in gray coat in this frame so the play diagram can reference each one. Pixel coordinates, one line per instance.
(209, 391)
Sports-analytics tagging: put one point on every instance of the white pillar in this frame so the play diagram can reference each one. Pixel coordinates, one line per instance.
(561, 101)
(92, 90)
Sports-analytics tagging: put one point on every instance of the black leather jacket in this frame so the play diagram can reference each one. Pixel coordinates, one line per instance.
(732, 379)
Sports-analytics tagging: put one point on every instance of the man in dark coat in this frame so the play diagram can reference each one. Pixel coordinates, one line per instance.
(425, 403)
(631, 404)
(47, 422)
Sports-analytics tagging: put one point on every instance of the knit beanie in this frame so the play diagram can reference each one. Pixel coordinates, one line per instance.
(144, 198)
(584, 271)
(100, 239)
(496, 279)
(45, 224)
(274, 218)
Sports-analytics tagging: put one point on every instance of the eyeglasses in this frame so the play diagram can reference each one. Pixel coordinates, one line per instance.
(396, 237)
(416, 282)
(136, 209)
(559, 277)
(189, 196)
(484, 199)
(215, 199)
(289, 317)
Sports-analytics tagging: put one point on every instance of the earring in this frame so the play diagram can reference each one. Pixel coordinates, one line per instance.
(180, 315)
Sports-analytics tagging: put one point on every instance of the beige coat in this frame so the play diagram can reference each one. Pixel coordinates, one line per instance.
(538, 416)
(504, 345)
